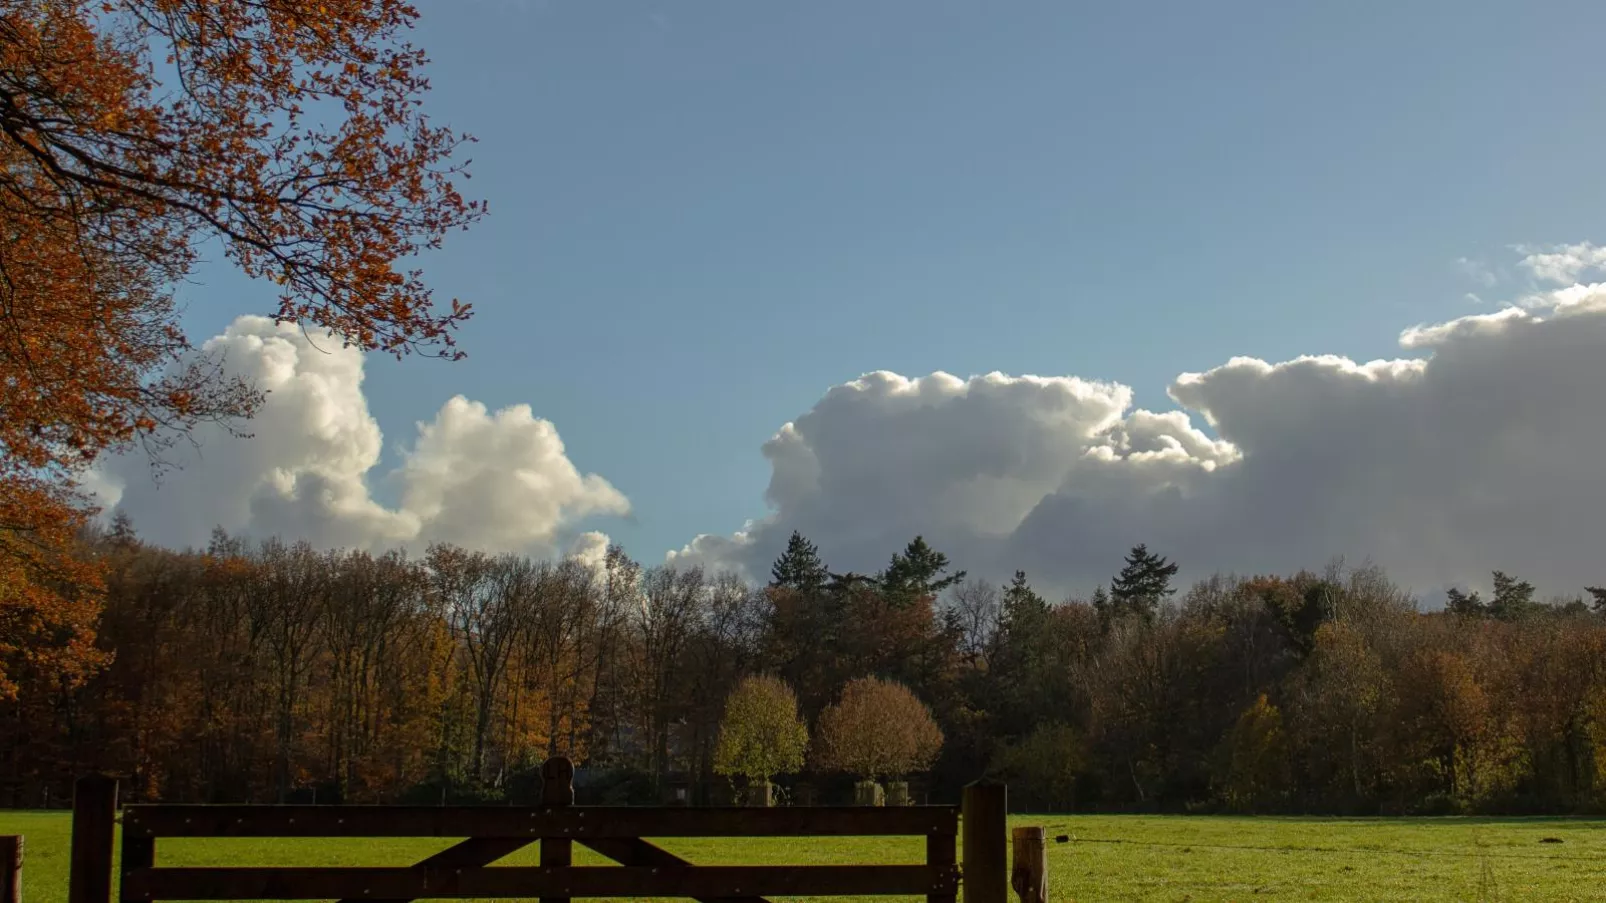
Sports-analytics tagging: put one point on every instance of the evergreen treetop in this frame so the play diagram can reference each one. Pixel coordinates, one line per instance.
(1512, 599)
(1021, 602)
(1143, 583)
(799, 567)
(917, 571)
(1469, 605)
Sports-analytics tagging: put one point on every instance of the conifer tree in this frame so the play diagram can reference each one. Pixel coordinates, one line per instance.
(799, 567)
(1101, 604)
(122, 532)
(1470, 605)
(917, 571)
(1143, 584)
(1513, 599)
(1022, 608)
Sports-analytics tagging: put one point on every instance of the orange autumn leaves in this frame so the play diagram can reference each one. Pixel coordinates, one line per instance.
(48, 598)
(134, 131)
(878, 729)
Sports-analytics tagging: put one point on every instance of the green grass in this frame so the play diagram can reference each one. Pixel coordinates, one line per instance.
(1172, 858)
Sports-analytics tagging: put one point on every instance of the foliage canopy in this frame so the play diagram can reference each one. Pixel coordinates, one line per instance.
(133, 133)
(760, 734)
(879, 729)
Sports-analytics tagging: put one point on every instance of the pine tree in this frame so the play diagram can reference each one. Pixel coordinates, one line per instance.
(1101, 604)
(1143, 584)
(799, 567)
(1021, 603)
(1469, 605)
(1021, 618)
(917, 571)
(1513, 599)
(1018, 660)
(122, 532)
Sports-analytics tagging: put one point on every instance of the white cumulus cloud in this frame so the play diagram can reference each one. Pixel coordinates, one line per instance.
(1481, 453)
(1563, 264)
(493, 480)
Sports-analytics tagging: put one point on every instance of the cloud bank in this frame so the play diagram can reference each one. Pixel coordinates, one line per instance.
(493, 480)
(1478, 449)
(1482, 452)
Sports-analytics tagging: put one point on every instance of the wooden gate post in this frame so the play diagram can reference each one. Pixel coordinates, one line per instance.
(11, 869)
(557, 790)
(1030, 875)
(94, 824)
(983, 819)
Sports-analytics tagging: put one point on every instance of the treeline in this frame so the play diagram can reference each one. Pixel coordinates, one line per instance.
(273, 672)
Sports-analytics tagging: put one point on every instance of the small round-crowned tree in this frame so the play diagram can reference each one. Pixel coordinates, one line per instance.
(878, 730)
(760, 735)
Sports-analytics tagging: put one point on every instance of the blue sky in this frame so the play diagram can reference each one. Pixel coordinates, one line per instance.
(705, 214)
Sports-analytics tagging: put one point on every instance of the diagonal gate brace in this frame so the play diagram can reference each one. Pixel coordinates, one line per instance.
(476, 852)
(637, 852)
(479, 852)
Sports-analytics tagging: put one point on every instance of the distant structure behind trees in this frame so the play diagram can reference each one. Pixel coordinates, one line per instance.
(271, 672)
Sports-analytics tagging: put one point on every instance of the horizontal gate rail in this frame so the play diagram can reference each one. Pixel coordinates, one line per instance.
(503, 821)
(509, 881)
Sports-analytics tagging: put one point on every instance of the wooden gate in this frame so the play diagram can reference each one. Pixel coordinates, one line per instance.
(464, 870)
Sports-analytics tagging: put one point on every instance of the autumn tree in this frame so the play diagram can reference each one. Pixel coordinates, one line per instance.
(603, 642)
(664, 624)
(1337, 699)
(1449, 711)
(285, 611)
(553, 654)
(725, 646)
(879, 729)
(480, 597)
(761, 734)
(365, 628)
(1255, 768)
(133, 132)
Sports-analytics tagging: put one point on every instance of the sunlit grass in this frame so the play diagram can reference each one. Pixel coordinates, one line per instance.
(1172, 858)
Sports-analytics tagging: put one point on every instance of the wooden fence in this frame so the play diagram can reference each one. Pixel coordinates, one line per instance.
(464, 870)
(10, 868)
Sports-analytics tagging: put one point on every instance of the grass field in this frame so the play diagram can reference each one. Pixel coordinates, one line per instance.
(1173, 858)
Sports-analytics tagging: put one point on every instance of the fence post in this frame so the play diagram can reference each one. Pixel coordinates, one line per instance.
(94, 824)
(11, 869)
(983, 814)
(1030, 875)
(557, 790)
(940, 855)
